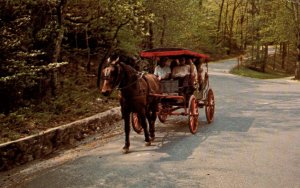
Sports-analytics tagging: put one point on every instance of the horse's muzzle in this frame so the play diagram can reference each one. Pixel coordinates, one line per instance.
(105, 93)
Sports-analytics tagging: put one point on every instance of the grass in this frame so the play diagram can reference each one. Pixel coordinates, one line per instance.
(64, 109)
(244, 71)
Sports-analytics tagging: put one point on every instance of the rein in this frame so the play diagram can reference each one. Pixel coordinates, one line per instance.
(124, 87)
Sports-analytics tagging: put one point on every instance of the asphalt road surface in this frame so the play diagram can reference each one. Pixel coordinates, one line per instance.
(254, 141)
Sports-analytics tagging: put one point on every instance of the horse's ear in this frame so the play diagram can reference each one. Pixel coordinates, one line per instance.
(115, 61)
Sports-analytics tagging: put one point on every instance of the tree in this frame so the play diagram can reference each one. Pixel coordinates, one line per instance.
(26, 32)
(294, 9)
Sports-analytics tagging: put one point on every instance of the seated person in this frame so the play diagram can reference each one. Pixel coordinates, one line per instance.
(162, 71)
(181, 70)
(182, 73)
(201, 73)
(174, 63)
(194, 71)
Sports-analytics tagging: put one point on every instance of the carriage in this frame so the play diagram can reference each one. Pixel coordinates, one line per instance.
(195, 93)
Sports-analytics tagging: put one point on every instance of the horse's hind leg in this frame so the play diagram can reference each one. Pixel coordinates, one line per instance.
(126, 117)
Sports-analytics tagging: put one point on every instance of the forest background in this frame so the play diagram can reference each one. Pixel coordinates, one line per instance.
(51, 49)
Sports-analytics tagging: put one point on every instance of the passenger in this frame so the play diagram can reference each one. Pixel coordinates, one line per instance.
(194, 72)
(200, 73)
(162, 71)
(182, 73)
(174, 63)
(181, 70)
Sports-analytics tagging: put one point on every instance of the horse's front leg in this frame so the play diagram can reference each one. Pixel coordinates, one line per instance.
(151, 117)
(126, 117)
(145, 127)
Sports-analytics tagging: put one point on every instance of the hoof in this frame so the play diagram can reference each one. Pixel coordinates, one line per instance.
(147, 143)
(125, 150)
(152, 138)
(152, 135)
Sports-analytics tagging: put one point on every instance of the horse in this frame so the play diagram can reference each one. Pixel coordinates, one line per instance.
(136, 89)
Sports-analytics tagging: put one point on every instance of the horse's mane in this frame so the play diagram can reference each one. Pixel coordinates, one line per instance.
(131, 78)
(128, 69)
(129, 60)
(125, 58)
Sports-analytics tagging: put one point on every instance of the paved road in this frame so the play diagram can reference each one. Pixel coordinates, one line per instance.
(253, 142)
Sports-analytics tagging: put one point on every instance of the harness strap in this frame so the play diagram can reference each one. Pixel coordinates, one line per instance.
(150, 89)
(141, 76)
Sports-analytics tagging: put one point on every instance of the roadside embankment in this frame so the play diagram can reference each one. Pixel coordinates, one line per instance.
(33, 147)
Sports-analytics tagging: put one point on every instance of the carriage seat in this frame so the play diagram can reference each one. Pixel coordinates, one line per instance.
(170, 86)
(186, 83)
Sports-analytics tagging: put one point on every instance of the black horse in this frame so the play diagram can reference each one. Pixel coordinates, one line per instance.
(135, 88)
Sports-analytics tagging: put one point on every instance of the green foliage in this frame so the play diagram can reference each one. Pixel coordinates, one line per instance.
(29, 30)
(181, 24)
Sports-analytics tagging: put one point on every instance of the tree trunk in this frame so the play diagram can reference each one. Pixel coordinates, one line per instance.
(243, 21)
(296, 14)
(265, 60)
(220, 20)
(162, 38)
(151, 45)
(252, 31)
(297, 71)
(257, 56)
(283, 55)
(148, 40)
(88, 67)
(76, 38)
(53, 82)
(274, 58)
(61, 30)
(231, 24)
(295, 9)
(225, 29)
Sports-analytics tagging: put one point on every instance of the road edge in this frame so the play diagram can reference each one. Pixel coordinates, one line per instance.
(21, 151)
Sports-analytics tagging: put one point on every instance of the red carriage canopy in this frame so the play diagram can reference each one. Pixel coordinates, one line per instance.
(161, 52)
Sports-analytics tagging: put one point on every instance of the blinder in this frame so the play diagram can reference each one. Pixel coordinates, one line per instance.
(113, 76)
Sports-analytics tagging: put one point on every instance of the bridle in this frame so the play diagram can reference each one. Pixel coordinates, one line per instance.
(120, 76)
(130, 84)
(110, 78)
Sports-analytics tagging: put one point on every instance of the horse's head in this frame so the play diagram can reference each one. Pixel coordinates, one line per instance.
(110, 76)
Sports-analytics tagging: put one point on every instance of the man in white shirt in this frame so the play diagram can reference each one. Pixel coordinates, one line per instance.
(162, 71)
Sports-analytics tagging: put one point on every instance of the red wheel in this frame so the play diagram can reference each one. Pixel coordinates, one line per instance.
(210, 106)
(193, 114)
(162, 114)
(136, 124)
